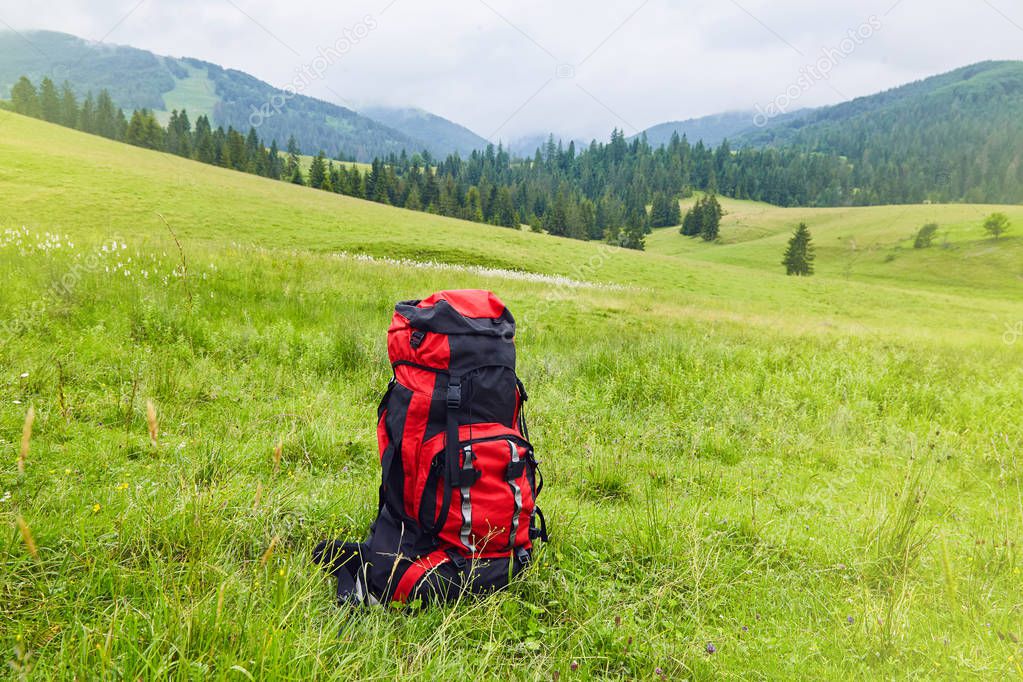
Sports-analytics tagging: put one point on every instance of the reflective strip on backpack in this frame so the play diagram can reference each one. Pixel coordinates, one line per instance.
(466, 532)
(517, 492)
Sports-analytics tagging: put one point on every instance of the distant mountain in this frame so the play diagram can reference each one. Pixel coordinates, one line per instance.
(955, 136)
(711, 129)
(441, 136)
(138, 78)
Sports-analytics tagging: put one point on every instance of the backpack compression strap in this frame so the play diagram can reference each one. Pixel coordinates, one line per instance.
(414, 573)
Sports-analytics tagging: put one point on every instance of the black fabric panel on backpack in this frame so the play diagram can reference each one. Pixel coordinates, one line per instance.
(472, 351)
(488, 396)
(448, 582)
(392, 482)
(388, 538)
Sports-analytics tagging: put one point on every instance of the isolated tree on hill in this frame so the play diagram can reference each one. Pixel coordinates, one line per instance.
(710, 222)
(799, 255)
(925, 236)
(996, 224)
(24, 98)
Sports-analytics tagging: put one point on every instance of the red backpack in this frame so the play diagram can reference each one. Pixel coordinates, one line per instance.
(457, 503)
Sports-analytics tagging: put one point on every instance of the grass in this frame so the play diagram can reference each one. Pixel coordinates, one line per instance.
(820, 478)
(195, 94)
(872, 244)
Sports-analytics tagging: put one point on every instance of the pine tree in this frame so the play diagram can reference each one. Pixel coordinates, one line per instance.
(710, 221)
(87, 115)
(203, 144)
(692, 224)
(412, 201)
(49, 101)
(68, 106)
(799, 255)
(659, 210)
(318, 171)
(504, 209)
(24, 98)
(107, 122)
(292, 161)
(674, 212)
(472, 210)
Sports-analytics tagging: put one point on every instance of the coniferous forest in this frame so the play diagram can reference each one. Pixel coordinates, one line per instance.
(615, 191)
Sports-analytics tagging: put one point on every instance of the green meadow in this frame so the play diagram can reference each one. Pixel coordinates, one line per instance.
(747, 475)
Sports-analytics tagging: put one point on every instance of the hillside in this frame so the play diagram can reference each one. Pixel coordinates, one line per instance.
(870, 244)
(137, 78)
(441, 136)
(744, 471)
(957, 136)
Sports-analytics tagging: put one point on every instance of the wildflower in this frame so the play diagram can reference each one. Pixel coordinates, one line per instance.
(711, 648)
(67, 472)
(574, 666)
(122, 486)
(281, 572)
(745, 628)
(849, 619)
(24, 375)
(96, 507)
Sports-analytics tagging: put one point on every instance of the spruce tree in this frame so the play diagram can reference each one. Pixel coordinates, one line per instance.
(710, 220)
(318, 171)
(412, 201)
(24, 98)
(292, 162)
(49, 101)
(68, 106)
(799, 255)
(692, 224)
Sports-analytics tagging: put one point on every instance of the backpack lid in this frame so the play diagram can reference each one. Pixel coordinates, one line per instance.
(460, 311)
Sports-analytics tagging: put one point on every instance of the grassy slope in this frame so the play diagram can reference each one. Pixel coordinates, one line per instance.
(195, 94)
(870, 244)
(732, 456)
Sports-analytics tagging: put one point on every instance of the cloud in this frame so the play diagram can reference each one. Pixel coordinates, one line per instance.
(507, 68)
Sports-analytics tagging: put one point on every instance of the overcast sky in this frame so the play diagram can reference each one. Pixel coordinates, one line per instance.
(508, 68)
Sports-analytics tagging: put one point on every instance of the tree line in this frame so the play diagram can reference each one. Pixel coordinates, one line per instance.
(615, 191)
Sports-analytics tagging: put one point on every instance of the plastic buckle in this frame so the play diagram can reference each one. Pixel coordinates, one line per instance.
(523, 556)
(454, 394)
(457, 559)
(515, 470)
(417, 337)
(467, 477)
